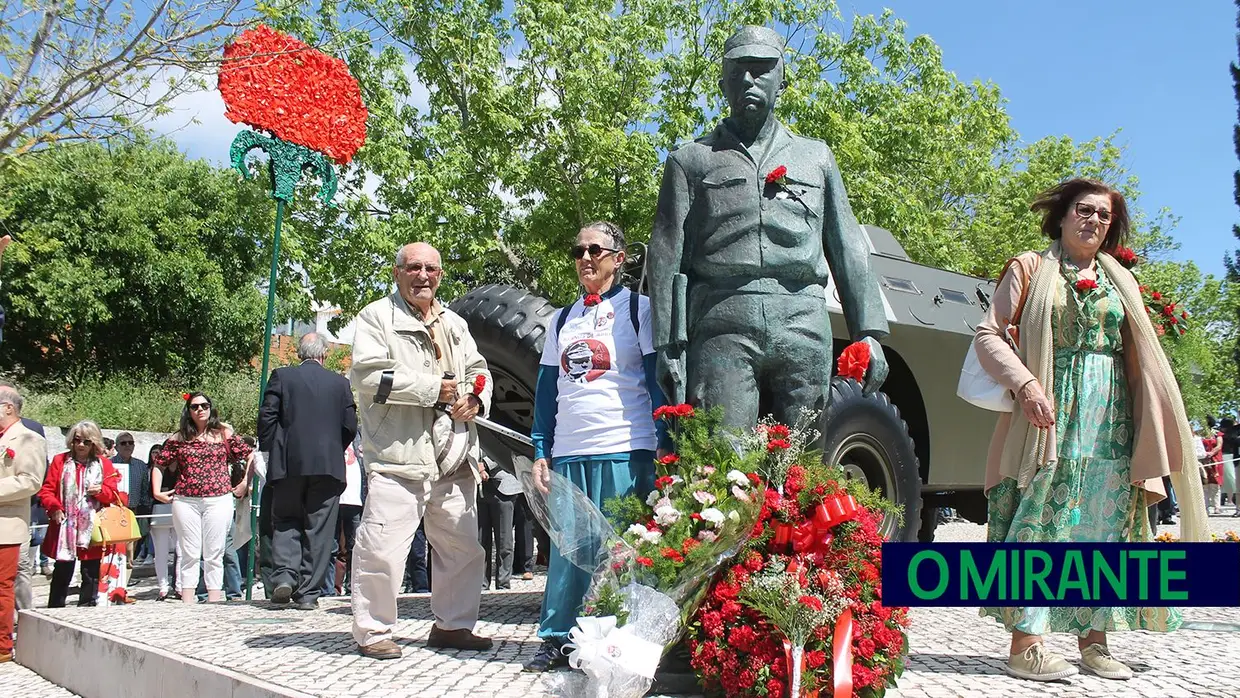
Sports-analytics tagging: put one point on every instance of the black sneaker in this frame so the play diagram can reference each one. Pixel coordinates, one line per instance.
(549, 657)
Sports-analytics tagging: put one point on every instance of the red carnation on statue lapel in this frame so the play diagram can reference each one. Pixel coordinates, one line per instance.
(778, 179)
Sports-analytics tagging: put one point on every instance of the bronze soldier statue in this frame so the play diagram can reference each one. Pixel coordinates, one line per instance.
(749, 218)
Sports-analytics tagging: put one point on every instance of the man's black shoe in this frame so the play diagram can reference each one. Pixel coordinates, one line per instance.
(549, 657)
(307, 605)
(282, 593)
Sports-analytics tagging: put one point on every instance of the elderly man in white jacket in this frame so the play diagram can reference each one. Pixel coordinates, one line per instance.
(404, 348)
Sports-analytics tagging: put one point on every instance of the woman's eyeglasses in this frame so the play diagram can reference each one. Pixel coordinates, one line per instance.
(200, 406)
(1085, 211)
(595, 250)
(79, 441)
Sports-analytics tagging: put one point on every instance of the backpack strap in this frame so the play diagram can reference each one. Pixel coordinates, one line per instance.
(560, 320)
(633, 298)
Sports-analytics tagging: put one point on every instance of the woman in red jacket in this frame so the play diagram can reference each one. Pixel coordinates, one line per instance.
(79, 483)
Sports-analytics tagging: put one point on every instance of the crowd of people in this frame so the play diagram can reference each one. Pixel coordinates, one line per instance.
(392, 492)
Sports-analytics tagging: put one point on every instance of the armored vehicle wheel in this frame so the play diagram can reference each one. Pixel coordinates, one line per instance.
(869, 440)
(510, 326)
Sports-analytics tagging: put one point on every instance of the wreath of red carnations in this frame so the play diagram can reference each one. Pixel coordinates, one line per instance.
(737, 653)
(276, 83)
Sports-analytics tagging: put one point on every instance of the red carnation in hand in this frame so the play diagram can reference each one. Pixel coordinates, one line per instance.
(854, 361)
(670, 459)
(1086, 285)
(480, 383)
(645, 562)
(276, 83)
(776, 176)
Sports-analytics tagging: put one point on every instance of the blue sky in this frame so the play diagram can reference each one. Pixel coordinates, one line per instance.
(1158, 71)
(1081, 69)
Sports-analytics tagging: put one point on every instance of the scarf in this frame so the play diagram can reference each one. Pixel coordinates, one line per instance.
(1027, 447)
(79, 511)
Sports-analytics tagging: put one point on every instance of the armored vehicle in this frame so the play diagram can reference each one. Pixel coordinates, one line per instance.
(915, 441)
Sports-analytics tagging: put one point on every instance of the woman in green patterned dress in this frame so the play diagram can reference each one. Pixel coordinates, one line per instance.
(1091, 381)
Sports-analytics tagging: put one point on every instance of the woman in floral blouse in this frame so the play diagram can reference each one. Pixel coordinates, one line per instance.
(201, 453)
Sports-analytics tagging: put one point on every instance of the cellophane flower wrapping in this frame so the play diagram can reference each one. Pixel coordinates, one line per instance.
(652, 557)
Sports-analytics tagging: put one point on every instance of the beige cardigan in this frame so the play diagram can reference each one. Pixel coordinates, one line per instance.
(1157, 448)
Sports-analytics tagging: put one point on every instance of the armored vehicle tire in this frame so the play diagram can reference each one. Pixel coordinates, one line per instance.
(509, 326)
(867, 438)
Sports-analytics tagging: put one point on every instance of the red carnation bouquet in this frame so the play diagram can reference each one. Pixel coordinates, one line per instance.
(276, 83)
(660, 552)
(761, 631)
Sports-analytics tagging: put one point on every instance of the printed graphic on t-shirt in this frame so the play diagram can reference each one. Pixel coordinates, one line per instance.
(585, 360)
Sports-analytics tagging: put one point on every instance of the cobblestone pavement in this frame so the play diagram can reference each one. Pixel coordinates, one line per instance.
(953, 651)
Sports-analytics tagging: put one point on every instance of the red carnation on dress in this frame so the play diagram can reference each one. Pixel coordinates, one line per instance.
(1126, 257)
(276, 83)
(1086, 285)
(592, 299)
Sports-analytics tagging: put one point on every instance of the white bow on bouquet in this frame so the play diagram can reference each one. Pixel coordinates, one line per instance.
(619, 662)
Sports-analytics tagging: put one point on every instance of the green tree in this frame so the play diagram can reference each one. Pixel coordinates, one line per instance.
(542, 117)
(130, 258)
(89, 70)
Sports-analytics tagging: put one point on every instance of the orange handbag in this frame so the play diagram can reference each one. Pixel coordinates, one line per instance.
(114, 524)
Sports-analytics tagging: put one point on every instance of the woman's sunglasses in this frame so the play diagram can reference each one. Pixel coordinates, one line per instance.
(200, 406)
(595, 250)
(77, 440)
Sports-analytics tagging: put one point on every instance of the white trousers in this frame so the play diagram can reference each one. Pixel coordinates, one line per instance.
(201, 524)
(163, 538)
(394, 507)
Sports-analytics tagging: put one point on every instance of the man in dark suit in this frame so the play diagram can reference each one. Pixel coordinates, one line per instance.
(307, 420)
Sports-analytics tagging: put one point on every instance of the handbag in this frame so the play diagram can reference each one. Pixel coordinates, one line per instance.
(976, 386)
(114, 524)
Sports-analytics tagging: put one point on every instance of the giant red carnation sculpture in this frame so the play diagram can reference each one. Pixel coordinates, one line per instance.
(276, 83)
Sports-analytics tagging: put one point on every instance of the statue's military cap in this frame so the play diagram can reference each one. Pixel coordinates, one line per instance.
(754, 42)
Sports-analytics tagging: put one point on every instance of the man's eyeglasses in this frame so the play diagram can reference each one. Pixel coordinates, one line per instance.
(203, 406)
(595, 250)
(77, 440)
(418, 268)
(124, 443)
(1085, 211)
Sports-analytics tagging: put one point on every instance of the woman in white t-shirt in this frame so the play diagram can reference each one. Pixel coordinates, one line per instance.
(593, 411)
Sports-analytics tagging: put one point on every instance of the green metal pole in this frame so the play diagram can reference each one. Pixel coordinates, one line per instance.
(262, 388)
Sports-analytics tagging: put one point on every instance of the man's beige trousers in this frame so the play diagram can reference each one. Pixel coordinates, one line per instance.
(393, 509)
